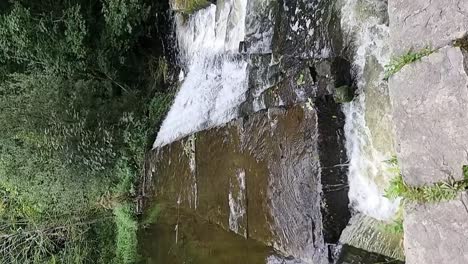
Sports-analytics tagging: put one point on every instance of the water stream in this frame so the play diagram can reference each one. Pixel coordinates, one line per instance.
(368, 172)
(214, 84)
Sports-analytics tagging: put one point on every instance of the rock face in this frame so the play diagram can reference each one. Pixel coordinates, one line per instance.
(430, 102)
(430, 105)
(415, 24)
(260, 178)
(437, 233)
(367, 233)
(353, 255)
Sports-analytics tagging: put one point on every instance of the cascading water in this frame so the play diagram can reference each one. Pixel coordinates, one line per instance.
(214, 87)
(368, 172)
(368, 131)
(215, 82)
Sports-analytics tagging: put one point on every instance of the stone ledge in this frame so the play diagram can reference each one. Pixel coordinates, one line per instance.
(415, 24)
(430, 113)
(437, 233)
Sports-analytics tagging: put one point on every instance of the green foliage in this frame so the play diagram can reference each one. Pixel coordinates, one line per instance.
(398, 189)
(159, 106)
(74, 128)
(396, 64)
(126, 238)
(396, 225)
(435, 193)
(47, 42)
(123, 18)
(159, 68)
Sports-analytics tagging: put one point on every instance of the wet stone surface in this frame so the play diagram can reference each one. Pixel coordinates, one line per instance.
(260, 178)
(274, 174)
(177, 237)
(352, 255)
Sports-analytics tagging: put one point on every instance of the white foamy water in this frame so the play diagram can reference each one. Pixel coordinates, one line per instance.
(367, 169)
(215, 83)
(237, 202)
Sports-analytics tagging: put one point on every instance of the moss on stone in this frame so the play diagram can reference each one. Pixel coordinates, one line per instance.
(343, 94)
(190, 6)
(396, 64)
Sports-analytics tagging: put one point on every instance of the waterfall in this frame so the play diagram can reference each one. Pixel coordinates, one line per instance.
(215, 82)
(368, 144)
(368, 172)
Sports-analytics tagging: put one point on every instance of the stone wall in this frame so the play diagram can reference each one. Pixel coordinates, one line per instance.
(430, 112)
(260, 178)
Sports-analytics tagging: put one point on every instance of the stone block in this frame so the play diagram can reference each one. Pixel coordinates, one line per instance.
(430, 112)
(415, 24)
(437, 233)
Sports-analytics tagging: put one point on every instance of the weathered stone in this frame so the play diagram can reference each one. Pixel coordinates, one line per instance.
(291, 81)
(367, 233)
(260, 24)
(437, 233)
(430, 112)
(303, 29)
(270, 177)
(378, 108)
(353, 255)
(415, 24)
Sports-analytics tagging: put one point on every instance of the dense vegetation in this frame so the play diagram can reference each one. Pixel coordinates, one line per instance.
(81, 91)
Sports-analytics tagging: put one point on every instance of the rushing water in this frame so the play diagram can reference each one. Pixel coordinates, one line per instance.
(369, 132)
(368, 172)
(215, 84)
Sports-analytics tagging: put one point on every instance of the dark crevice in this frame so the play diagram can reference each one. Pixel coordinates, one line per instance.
(313, 73)
(332, 152)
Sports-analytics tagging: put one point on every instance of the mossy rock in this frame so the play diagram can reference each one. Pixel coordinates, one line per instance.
(343, 94)
(189, 6)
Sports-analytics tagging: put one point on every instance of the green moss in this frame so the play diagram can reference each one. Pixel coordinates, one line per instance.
(190, 6)
(465, 172)
(438, 192)
(396, 64)
(396, 225)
